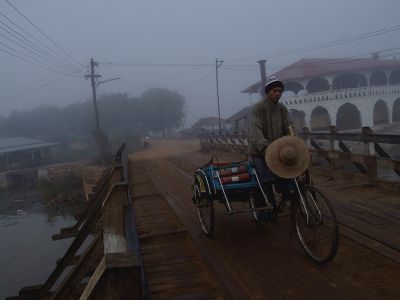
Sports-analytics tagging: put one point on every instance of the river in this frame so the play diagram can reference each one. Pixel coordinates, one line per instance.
(27, 253)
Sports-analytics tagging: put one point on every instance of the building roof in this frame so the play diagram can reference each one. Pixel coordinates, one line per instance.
(12, 144)
(311, 67)
(241, 114)
(207, 122)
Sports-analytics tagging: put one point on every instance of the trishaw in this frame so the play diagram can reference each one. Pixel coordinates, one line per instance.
(312, 216)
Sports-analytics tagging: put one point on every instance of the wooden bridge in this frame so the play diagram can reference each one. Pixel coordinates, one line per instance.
(139, 237)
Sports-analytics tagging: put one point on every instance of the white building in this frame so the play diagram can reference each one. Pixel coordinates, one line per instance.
(348, 93)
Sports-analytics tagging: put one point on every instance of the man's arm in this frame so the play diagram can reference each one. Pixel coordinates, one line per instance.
(287, 122)
(257, 138)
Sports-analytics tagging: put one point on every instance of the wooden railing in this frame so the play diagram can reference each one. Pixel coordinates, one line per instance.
(110, 264)
(334, 149)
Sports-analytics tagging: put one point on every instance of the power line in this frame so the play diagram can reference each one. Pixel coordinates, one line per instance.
(60, 58)
(325, 44)
(137, 64)
(38, 87)
(202, 78)
(323, 63)
(41, 31)
(234, 67)
(28, 61)
(30, 51)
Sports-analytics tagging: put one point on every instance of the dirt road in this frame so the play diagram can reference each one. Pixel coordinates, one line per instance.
(162, 148)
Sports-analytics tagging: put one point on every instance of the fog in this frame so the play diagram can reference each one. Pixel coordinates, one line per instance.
(183, 32)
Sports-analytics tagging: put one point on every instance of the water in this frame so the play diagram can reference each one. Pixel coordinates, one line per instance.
(27, 253)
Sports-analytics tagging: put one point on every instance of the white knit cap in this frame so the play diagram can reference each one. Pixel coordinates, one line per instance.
(272, 82)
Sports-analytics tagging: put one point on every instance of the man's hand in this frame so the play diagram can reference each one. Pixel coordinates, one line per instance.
(292, 131)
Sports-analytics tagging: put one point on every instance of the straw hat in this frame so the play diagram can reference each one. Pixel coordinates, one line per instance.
(288, 157)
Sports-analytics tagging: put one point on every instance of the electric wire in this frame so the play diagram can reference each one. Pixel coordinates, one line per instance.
(42, 32)
(40, 86)
(16, 35)
(59, 58)
(29, 61)
(31, 52)
(324, 45)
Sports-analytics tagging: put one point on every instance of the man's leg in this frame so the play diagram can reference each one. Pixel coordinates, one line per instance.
(266, 178)
(287, 188)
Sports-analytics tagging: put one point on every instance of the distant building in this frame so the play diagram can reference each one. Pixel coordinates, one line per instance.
(80, 142)
(209, 123)
(240, 120)
(20, 153)
(349, 93)
(204, 126)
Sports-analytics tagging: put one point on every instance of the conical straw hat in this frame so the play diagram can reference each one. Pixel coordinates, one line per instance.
(288, 157)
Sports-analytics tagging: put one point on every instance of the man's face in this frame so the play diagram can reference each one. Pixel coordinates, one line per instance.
(275, 94)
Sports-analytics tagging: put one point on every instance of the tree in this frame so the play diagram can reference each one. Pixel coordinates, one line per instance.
(161, 109)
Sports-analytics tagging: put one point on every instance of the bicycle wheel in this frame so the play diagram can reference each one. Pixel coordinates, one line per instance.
(316, 226)
(204, 206)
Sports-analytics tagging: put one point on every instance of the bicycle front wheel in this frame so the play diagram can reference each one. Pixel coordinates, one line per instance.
(316, 225)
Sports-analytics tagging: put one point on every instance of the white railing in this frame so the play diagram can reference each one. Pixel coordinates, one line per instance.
(366, 91)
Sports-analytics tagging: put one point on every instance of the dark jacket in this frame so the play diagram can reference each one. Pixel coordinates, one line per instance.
(269, 121)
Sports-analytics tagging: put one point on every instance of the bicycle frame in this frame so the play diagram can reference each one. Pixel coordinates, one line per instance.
(304, 204)
(227, 203)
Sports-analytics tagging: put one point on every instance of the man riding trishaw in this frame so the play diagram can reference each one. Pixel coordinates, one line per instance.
(269, 122)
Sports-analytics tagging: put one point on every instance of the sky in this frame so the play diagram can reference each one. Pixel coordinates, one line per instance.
(181, 32)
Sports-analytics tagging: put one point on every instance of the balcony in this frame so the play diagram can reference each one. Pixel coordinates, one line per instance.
(345, 94)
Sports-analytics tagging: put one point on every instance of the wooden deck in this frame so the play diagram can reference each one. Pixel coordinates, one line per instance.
(174, 267)
(245, 261)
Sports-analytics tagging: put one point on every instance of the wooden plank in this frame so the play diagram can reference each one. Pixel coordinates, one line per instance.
(116, 277)
(113, 215)
(371, 244)
(174, 267)
(87, 263)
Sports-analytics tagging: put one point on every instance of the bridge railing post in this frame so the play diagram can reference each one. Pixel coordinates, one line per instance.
(369, 152)
(369, 147)
(334, 146)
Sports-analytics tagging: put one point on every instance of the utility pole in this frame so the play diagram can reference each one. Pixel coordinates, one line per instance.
(93, 77)
(218, 63)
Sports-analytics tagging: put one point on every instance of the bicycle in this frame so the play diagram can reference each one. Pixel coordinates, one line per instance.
(311, 214)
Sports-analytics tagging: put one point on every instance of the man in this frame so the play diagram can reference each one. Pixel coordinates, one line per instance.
(269, 121)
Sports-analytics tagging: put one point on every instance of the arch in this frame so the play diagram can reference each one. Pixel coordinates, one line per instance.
(378, 78)
(394, 77)
(381, 113)
(318, 84)
(293, 86)
(396, 111)
(298, 118)
(348, 117)
(348, 81)
(302, 93)
(288, 94)
(320, 119)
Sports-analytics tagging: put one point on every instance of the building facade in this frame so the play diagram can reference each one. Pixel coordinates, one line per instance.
(347, 93)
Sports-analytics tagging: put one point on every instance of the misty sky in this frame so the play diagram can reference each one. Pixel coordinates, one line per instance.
(184, 32)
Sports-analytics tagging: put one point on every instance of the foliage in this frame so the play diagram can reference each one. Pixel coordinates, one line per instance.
(63, 195)
(62, 190)
(121, 117)
(161, 109)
